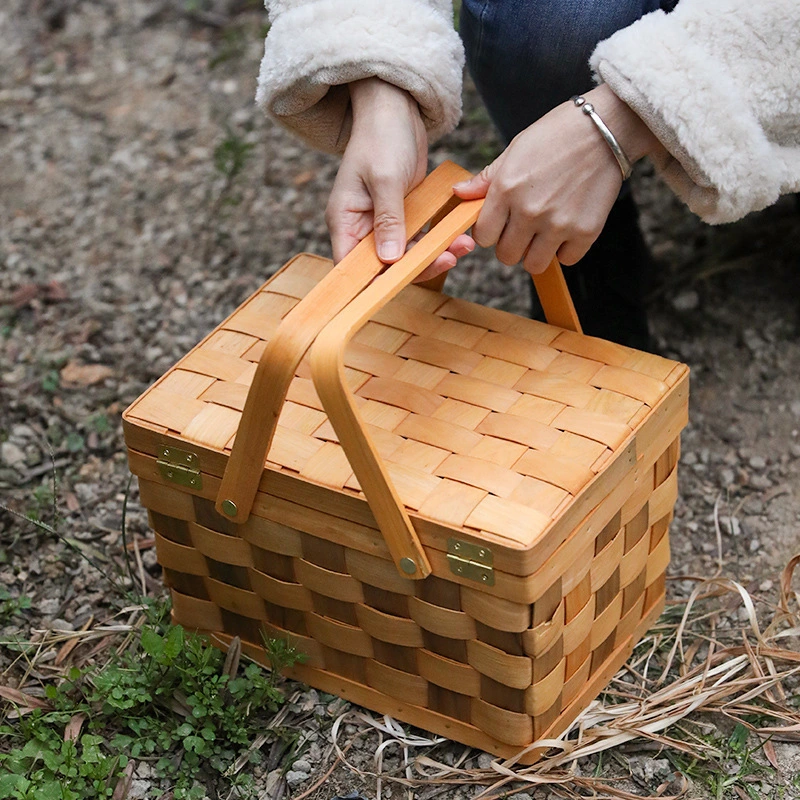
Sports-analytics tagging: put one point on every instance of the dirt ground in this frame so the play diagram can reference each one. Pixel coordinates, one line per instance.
(143, 197)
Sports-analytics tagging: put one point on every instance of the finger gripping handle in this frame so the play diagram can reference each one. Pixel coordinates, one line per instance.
(297, 331)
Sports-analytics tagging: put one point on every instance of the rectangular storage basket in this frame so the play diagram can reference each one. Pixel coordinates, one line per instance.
(462, 519)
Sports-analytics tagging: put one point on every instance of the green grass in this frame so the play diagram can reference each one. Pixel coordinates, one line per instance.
(166, 699)
(735, 773)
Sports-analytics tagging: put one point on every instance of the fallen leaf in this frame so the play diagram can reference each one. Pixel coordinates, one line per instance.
(122, 789)
(24, 295)
(73, 729)
(141, 544)
(232, 658)
(77, 374)
(304, 177)
(71, 644)
(52, 292)
(769, 752)
(25, 703)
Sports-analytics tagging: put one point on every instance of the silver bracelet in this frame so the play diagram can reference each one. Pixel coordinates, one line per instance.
(624, 162)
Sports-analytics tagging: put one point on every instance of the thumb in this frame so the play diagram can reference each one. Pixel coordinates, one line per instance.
(389, 220)
(476, 186)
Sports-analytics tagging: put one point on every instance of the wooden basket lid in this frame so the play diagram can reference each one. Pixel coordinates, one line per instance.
(491, 424)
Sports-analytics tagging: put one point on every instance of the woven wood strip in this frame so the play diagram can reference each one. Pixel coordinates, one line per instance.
(442, 621)
(396, 683)
(186, 384)
(509, 670)
(438, 432)
(517, 351)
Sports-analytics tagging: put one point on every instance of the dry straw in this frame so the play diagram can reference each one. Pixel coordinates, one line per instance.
(708, 657)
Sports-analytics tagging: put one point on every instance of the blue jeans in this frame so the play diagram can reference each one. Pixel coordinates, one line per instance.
(528, 56)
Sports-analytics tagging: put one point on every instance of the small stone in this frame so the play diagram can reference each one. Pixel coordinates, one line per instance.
(689, 458)
(687, 300)
(731, 526)
(12, 455)
(755, 545)
(61, 625)
(727, 477)
(754, 506)
(139, 789)
(760, 482)
(752, 341)
(794, 407)
(794, 450)
(757, 462)
(520, 796)
(144, 770)
(48, 607)
(765, 586)
(22, 432)
(301, 765)
(485, 761)
(293, 777)
(753, 523)
(652, 771)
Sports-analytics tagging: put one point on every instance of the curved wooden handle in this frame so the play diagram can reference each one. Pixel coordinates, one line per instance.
(297, 331)
(554, 296)
(327, 372)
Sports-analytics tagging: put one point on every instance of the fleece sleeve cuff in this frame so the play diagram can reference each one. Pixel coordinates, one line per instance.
(688, 76)
(314, 49)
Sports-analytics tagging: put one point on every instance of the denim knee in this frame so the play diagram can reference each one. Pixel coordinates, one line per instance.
(527, 56)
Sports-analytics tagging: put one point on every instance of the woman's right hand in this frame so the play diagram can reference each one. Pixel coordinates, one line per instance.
(386, 157)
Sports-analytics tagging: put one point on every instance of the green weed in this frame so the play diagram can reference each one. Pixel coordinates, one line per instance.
(232, 44)
(11, 606)
(167, 699)
(51, 382)
(231, 155)
(41, 502)
(735, 773)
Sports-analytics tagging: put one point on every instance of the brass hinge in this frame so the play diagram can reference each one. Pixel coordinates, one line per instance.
(180, 466)
(471, 561)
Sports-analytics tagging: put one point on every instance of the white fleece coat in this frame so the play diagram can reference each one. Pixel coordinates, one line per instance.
(718, 81)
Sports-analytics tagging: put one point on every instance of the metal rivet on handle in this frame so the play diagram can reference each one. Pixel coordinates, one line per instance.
(229, 507)
(408, 566)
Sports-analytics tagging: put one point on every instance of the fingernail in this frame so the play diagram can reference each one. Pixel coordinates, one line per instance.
(461, 185)
(390, 251)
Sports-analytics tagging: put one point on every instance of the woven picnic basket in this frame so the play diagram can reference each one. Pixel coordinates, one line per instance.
(458, 515)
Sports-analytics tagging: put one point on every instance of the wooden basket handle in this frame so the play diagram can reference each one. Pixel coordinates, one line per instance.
(297, 331)
(327, 372)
